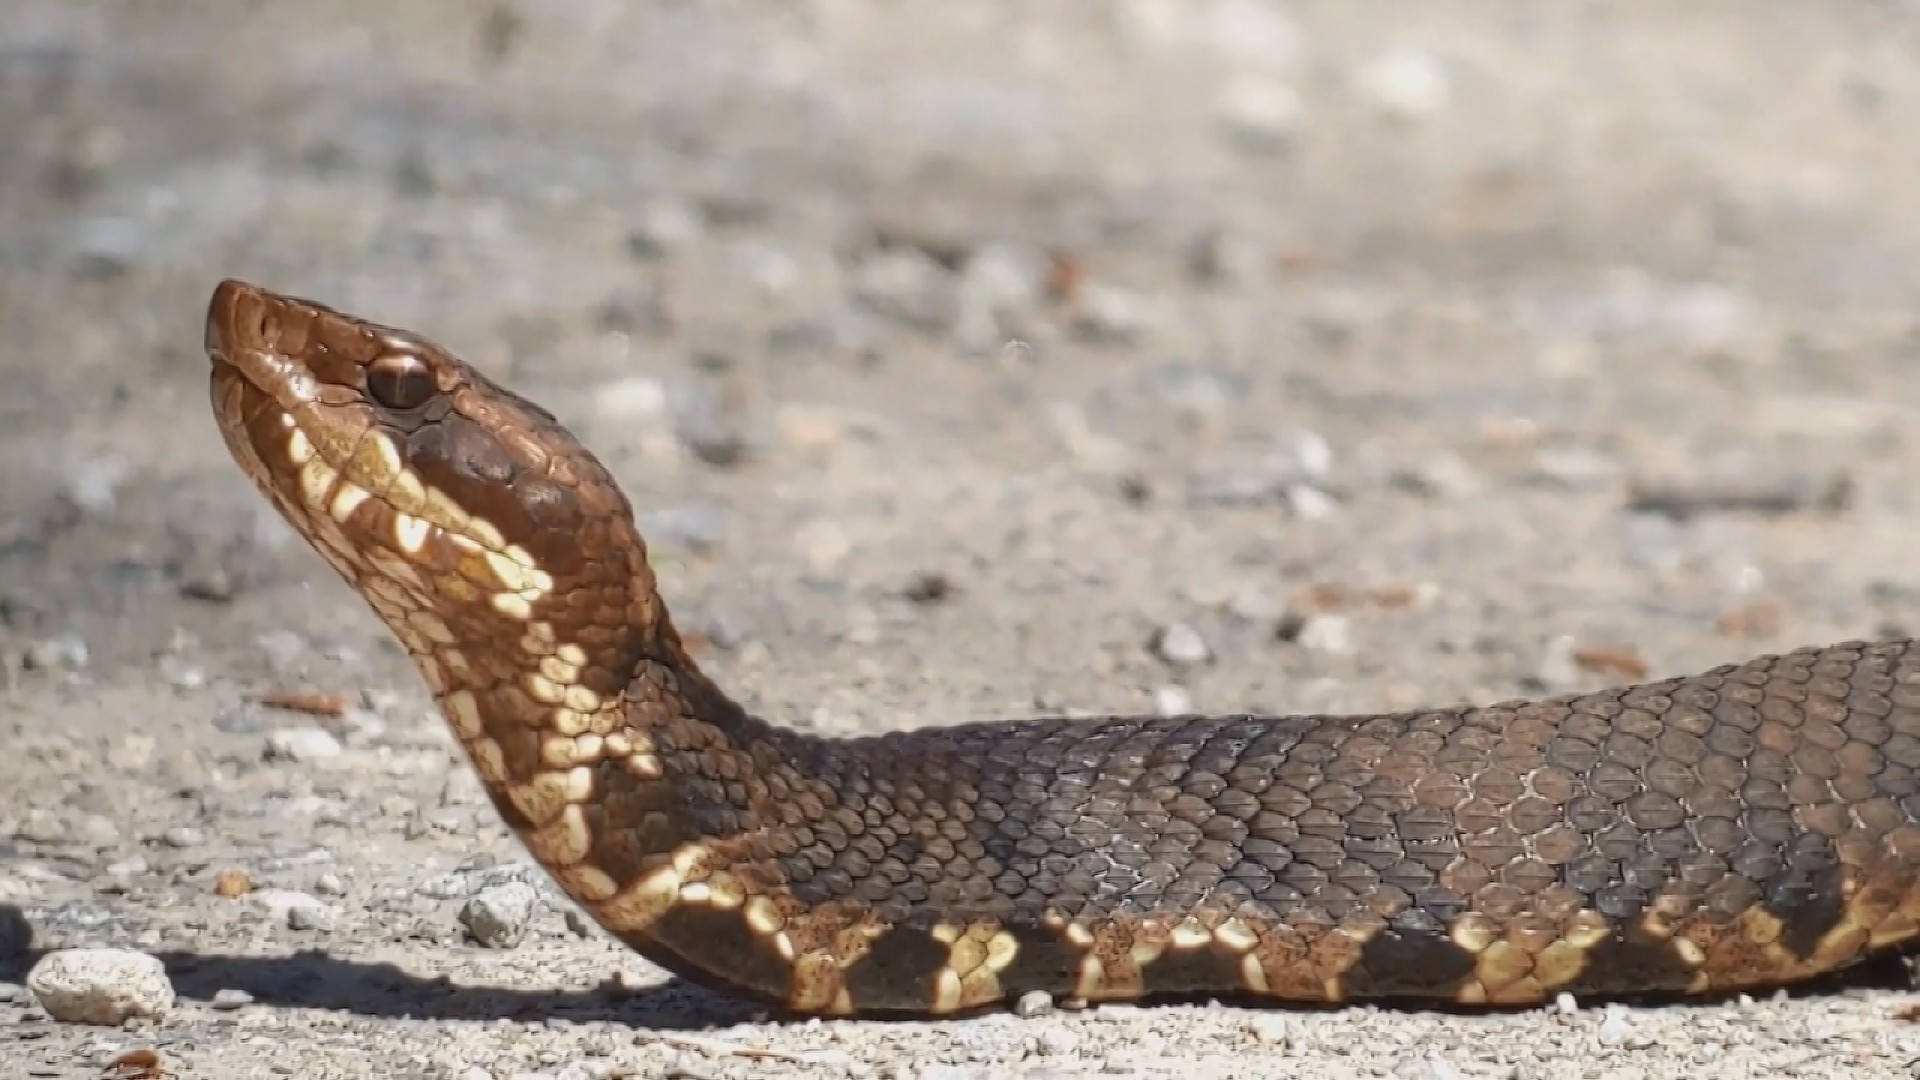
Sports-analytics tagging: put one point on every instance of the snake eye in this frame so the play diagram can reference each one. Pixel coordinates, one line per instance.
(400, 381)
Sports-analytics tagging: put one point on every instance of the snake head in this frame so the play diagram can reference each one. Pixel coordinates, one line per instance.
(448, 501)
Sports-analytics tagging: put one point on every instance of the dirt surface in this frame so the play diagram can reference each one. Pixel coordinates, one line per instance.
(962, 360)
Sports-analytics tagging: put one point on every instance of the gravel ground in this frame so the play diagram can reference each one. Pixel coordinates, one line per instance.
(962, 360)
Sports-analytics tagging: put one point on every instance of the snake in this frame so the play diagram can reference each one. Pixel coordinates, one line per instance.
(1754, 825)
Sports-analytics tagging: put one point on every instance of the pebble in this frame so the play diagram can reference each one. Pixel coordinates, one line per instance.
(1261, 114)
(470, 880)
(905, 284)
(1615, 1029)
(67, 652)
(1566, 1005)
(128, 867)
(1426, 1068)
(1269, 1029)
(97, 830)
(1057, 1041)
(283, 648)
(100, 986)
(1309, 503)
(1111, 315)
(1033, 1003)
(1172, 699)
(1223, 257)
(497, 917)
(1405, 84)
(180, 673)
(634, 397)
(228, 998)
(184, 836)
(300, 911)
(662, 226)
(94, 485)
(1178, 643)
(1327, 633)
(329, 884)
(41, 826)
(303, 744)
(1557, 667)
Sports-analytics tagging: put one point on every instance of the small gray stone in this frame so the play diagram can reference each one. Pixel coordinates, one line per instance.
(1327, 633)
(1112, 315)
(67, 652)
(310, 915)
(283, 648)
(662, 226)
(1309, 503)
(41, 826)
(905, 284)
(303, 744)
(300, 911)
(180, 673)
(184, 836)
(1033, 1003)
(100, 986)
(497, 916)
(1178, 643)
(329, 884)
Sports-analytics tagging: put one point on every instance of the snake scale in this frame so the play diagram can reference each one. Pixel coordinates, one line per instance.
(1749, 826)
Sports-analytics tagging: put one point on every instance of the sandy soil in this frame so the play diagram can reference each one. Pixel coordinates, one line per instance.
(953, 354)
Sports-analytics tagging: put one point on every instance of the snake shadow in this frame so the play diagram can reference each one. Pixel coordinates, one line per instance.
(317, 980)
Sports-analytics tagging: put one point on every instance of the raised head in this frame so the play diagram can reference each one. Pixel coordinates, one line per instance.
(465, 514)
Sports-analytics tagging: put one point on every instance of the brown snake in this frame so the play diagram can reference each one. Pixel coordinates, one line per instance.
(1748, 826)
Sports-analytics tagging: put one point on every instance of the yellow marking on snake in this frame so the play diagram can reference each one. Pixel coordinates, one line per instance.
(299, 447)
(461, 707)
(512, 605)
(347, 500)
(411, 532)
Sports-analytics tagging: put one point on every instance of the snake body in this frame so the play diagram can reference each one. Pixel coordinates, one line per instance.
(1748, 826)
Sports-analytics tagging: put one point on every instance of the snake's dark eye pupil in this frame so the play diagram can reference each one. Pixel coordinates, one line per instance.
(400, 381)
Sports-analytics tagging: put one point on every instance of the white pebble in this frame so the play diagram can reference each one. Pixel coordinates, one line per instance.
(1260, 113)
(67, 652)
(229, 998)
(1309, 503)
(1033, 1003)
(1178, 643)
(100, 986)
(1326, 633)
(634, 397)
(329, 884)
(1172, 699)
(304, 744)
(1406, 84)
(1057, 1041)
(1614, 1030)
(183, 836)
(1565, 1004)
